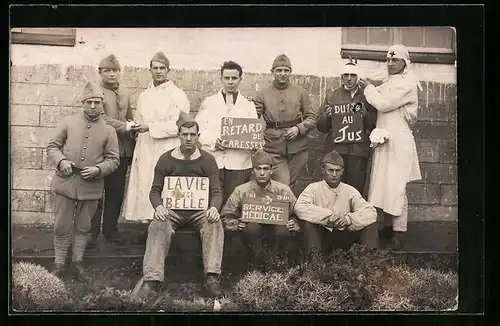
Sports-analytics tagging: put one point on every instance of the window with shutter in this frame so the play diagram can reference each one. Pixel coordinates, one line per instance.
(44, 36)
(426, 44)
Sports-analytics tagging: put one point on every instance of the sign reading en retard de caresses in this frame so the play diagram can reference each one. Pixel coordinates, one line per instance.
(242, 133)
(265, 209)
(347, 123)
(186, 193)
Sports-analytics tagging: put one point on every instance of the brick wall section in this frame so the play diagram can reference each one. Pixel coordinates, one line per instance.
(41, 95)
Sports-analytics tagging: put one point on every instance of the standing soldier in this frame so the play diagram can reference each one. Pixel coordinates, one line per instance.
(118, 114)
(84, 150)
(289, 117)
(356, 150)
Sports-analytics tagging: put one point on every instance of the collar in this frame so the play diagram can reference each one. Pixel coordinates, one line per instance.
(267, 187)
(334, 190)
(113, 87)
(235, 96)
(176, 153)
(89, 119)
(352, 92)
(163, 85)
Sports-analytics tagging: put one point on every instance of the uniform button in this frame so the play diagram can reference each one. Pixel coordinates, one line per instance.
(83, 158)
(86, 136)
(89, 126)
(282, 101)
(84, 147)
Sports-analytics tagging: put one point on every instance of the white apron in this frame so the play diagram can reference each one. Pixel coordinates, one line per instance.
(394, 163)
(158, 107)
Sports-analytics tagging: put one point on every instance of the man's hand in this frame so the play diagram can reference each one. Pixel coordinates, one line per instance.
(140, 127)
(292, 133)
(129, 125)
(161, 213)
(259, 109)
(328, 111)
(332, 221)
(292, 225)
(212, 215)
(220, 144)
(66, 167)
(241, 226)
(90, 172)
(363, 82)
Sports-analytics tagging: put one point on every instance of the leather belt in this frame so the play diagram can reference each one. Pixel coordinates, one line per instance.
(283, 124)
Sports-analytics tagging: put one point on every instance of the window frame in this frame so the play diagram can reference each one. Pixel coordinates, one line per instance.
(379, 52)
(60, 37)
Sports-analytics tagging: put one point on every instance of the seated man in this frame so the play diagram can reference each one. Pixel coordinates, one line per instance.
(253, 234)
(334, 213)
(185, 160)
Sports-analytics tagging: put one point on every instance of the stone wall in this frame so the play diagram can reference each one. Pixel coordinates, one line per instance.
(42, 94)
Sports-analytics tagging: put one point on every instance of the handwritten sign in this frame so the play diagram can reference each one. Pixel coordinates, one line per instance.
(190, 193)
(242, 133)
(347, 123)
(265, 210)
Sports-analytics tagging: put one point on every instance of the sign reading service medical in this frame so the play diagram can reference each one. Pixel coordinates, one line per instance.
(265, 210)
(242, 133)
(347, 123)
(186, 193)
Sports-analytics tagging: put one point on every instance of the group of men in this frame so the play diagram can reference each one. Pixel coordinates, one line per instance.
(93, 150)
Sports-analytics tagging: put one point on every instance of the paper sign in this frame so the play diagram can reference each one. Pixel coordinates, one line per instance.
(242, 133)
(189, 193)
(347, 123)
(265, 210)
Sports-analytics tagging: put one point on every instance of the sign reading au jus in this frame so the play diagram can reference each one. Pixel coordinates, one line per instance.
(242, 133)
(186, 193)
(265, 210)
(347, 123)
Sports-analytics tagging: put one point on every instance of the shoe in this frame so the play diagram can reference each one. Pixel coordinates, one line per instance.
(59, 271)
(79, 272)
(212, 285)
(397, 241)
(114, 237)
(148, 287)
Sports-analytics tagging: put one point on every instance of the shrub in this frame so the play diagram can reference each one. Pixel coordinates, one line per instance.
(348, 280)
(35, 288)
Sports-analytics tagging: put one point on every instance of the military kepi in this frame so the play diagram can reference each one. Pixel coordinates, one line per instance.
(110, 62)
(333, 157)
(261, 157)
(161, 57)
(92, 90)
(282, 61)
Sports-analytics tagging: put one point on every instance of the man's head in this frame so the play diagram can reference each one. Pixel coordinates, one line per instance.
(349, 75)
(92, 100)
(332, 168)
(188, 132)
(230, 75)
(109, 69)
(281, 70)
(262, 167)
(159, 66)
(398, 58)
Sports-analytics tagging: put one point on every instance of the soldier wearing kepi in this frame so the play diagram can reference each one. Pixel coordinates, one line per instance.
(346, 102)
(289, 117)
(117, 113)
(84, 150)
(256, 236)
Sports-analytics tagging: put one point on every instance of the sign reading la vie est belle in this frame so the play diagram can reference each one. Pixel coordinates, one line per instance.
(266, 209)
(347, 123)
(189, 193)
(242, 133)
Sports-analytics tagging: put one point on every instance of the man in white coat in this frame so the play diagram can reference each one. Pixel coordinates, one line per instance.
(395, 162)
(235, 165)
(158, 110)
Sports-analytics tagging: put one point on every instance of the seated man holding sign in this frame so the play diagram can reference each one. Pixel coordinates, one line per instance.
(334, 213)
(229, 129)
(261, 208)
(185, 190)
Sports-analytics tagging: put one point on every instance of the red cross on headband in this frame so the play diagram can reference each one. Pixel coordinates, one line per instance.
(392, 53)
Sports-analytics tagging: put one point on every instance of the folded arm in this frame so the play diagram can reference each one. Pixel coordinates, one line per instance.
(306, 210)
(389, 98)
(362, 213)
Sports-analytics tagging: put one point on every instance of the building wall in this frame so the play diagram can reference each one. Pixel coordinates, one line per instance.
(46, 82)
